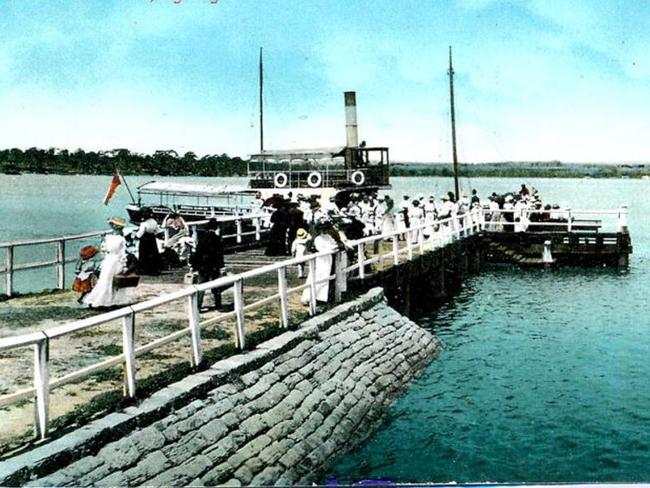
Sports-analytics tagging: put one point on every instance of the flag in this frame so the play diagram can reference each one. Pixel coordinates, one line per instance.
(115, 182)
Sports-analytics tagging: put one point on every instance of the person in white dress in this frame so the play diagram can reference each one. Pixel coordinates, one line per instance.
(324, 241)
(299, 248)
(105, 293)
(416, 219)
(388, 218)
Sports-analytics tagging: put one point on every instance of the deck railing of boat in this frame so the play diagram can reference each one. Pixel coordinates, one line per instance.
(322, 177)
(60, 259)
(383, 250)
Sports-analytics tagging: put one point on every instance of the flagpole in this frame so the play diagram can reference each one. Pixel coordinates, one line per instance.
(125, 183)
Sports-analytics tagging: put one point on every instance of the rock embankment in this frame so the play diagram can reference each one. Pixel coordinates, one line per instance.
(281, 413)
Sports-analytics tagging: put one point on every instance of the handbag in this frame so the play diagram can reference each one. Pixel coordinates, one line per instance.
(126, 280)
(191, 278)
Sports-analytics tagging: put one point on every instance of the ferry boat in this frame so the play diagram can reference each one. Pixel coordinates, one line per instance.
(192, 201)
(335, 172)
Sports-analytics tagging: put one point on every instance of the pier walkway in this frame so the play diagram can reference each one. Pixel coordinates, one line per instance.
(79, 353)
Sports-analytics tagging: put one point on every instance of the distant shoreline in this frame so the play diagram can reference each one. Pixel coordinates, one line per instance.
(170, 163)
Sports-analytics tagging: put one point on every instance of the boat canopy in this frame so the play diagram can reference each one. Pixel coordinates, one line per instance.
(323, 155)
(192, 189)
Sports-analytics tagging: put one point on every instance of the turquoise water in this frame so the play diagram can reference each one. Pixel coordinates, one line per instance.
(544, 374)
(543, 378)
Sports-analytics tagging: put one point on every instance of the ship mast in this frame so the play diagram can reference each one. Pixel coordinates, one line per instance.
(453, 125)
(261, 103)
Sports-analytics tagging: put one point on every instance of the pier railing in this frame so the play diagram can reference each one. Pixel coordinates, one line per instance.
(10, 267)
(558, 220)
(403, 246)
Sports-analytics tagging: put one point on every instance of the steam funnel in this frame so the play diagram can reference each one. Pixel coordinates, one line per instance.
(351, 135)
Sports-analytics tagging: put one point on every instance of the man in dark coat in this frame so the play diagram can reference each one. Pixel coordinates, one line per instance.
(277, 243)
(207, 260)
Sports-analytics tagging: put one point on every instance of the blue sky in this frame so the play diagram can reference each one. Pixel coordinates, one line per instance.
(536, 79)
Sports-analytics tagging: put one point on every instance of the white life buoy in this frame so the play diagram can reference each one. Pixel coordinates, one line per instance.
(314, 179)
(358, 178)
(280, 180)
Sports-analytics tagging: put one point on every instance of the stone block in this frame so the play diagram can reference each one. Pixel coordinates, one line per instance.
(250, 378)
(253, 448)
(313, 399)
(270, 454)
(214, 430)
(115, 479)
(218, 475)
(267, 477)
(292, 379)
(277, 414)
(252, 426)
(218, 452)
(149, 467)
(243, 475)
(293, 399)
(274, 395)
(182, 474)
(189, 445)
(218, 408)
(120, 454)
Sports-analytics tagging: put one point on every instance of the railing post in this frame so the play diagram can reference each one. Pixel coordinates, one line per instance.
(194, 320)
(420, 240)
(361, 258)
(409, 246)
(547, 255)
(195, 235)
(284, 297)
(128, 334)
(238, 294)
(238, 224)
(60, 264)
(9, 270)
(256, 221)
(622, 219)
(312, 286)
(42, 386)
(395, 250)
(339, 277)
(569, 220)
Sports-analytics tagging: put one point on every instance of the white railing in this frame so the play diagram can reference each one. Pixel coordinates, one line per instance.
(418, 240)
(567, 219)
(60, 260)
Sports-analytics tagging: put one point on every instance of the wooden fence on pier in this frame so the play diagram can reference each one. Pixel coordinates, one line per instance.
(384, 250)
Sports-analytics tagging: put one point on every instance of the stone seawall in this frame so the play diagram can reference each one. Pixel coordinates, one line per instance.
(281, 413)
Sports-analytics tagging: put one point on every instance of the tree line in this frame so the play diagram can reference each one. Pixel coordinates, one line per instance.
(171, 163)
(63, 161)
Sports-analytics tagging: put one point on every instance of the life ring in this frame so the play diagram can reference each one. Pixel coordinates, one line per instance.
(358, 178)
(314, 179)
(280, 180)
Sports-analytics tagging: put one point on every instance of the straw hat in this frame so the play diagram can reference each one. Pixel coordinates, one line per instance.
(301, 233)
(117, 221)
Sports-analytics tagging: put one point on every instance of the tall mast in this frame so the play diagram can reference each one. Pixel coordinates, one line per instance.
(261, 102)
(453, 125)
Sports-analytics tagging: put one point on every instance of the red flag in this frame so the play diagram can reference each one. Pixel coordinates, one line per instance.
(115, 182)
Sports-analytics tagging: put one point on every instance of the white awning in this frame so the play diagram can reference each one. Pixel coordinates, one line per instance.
(192, 189)
(289, 155)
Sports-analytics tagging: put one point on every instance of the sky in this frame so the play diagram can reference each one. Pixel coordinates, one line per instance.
(536, 80)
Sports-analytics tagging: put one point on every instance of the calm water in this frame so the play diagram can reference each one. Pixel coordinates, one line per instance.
(544, 375)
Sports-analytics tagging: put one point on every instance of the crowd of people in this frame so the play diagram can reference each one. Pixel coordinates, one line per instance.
(106, 273)
(297, 226)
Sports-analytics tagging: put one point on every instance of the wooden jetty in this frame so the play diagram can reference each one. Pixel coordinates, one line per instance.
(266, 294)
